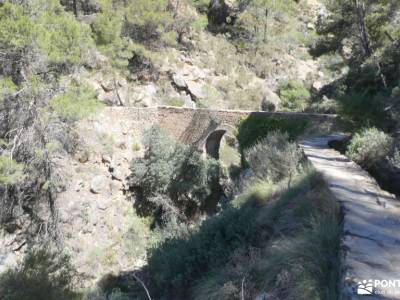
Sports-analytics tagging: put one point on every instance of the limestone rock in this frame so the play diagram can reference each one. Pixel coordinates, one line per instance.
(100, 185)
(118, 174)
(179, 81)
(102, 204)
(109, 98)
(310, 26)
(317, 86)
(196, 90)
(105, 158)
(271, 101)
(107, 85)
(144, 95)
(188, 102)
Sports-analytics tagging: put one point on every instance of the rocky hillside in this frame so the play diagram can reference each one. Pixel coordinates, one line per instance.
(123, 203)
(212, 68)
(203, 55)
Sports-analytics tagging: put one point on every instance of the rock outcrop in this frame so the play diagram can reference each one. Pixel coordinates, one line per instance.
(271, 101)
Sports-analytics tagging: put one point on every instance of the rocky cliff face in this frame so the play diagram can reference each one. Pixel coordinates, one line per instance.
(96, 221)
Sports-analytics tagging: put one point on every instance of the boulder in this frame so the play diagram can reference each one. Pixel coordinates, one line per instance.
(179, 81)
(105, 158)
(102, 205)
(188, 102)
(146, 95)
(107, 85)
(271, 101)
(109, 98)
(317, 86)
(118, 174)
(196, 90)
(100, 185)
(310, 26)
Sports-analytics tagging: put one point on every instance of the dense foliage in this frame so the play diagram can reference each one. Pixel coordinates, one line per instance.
(366, 34)
(44, 274)
(369, 147)
(172, 181)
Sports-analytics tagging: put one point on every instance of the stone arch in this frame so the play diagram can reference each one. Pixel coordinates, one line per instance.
(213, 141)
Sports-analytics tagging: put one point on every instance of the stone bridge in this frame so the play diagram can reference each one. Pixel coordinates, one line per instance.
(201, 128)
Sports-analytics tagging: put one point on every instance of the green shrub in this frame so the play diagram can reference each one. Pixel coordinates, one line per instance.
(11, 172)
(7, 87)
(78, 102)
(107, 27)
(16, 29)
(254, 128)
(51, 31)
(294, 96)
(369, 146)
(63, 38)
(148, 20)
(172, 177)
(274, 157)
(229, 155)
(43, 274)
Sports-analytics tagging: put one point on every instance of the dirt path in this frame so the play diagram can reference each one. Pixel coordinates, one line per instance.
(371, 225)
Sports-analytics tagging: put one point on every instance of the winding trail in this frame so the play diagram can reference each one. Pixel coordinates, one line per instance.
(370, 244)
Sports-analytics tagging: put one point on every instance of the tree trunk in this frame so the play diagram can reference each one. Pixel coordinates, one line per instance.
(75, 7)
(362, 27)
(364, 37)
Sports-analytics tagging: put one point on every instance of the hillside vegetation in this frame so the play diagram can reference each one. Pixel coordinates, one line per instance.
(92, 209)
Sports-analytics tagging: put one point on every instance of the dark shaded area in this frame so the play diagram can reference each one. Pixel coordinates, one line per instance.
(220, 14)
(213, 143)
(387, 177)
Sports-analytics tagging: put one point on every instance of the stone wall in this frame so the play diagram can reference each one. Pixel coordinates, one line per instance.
(191, 126)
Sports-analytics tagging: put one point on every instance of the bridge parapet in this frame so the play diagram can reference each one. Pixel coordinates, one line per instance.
(194, 125)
